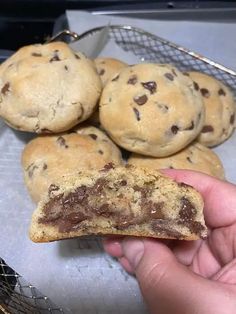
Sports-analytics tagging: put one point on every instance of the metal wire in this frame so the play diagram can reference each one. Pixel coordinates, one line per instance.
(18, 296)
(152, 48)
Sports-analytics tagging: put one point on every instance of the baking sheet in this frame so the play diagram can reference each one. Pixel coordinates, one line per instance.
(77, 274)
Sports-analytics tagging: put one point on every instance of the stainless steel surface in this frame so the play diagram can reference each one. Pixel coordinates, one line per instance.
(77, 274)
(197, 14)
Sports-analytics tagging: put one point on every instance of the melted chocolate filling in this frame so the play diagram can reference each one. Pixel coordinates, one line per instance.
(68, 212)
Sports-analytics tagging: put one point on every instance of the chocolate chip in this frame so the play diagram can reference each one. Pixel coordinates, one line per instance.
(191, 127)
(169, 76)
(187, 211)
(32, 167)
(45, 166)
(93, 136)
(185, 73)
(115, 78)
(62, 142)
(174, 129)
(232, 118)
(132, 80)
(100, 152)
(151, 86)
(195, 85)
(108, 167)
(155, 210)
(173, 71)
(207, 129)
(101, 72)
(221, 92)
(123, 182)
(189, 159)
(140, 100)
(170, 167)
(5, 89)
(196, 227)
(52, 188)
(66, 67)
(36, 54)
(164, 227)
(76, 56)
(103, 210)
(137, 114)
(72, 221)
(55, 57)
(205, 92)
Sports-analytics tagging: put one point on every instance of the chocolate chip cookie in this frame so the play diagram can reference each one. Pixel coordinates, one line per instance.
(220, 109)
(108, 67)
(152, 109)
(48, 88)
(46, 159)
(120, 200)
(194, 157)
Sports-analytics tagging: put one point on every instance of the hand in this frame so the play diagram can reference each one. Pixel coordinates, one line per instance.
(188, 277)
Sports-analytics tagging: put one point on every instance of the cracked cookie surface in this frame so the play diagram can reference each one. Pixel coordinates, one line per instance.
(47, 88)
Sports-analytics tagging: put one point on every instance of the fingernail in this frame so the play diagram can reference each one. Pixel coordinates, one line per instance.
(133, 250)
(113, 247)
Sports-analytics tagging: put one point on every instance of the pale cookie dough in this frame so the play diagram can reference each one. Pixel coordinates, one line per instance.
(220, 109)
(47, 159)
(194, 157)
(152, 109)
(122, 200)
(108, 67)
(48, 88)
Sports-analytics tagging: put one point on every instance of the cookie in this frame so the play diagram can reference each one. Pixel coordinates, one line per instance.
(194, 157)
(220, 109)
(151, 109)
(108, 67)
(48, 88)
(46, 159)
(123, 201)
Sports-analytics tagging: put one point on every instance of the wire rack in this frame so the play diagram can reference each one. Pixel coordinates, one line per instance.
(152, 48)
(18, 296)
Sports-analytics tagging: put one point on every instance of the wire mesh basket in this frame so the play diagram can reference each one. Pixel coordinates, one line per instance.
(152, 48)
(18, 296)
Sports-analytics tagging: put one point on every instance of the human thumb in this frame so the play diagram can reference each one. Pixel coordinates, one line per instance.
(168, 286)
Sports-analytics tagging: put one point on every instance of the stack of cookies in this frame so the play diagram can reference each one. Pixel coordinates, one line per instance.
(87, 112)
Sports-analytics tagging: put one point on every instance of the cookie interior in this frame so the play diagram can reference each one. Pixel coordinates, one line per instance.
(117, 201)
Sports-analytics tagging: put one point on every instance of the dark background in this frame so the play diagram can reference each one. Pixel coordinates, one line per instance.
(24, 22)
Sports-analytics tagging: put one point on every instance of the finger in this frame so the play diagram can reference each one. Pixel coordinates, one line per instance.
(126, 265)
(227, 274)
(168, 286)
(219, 196)
(112, 246)
(186, 250)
